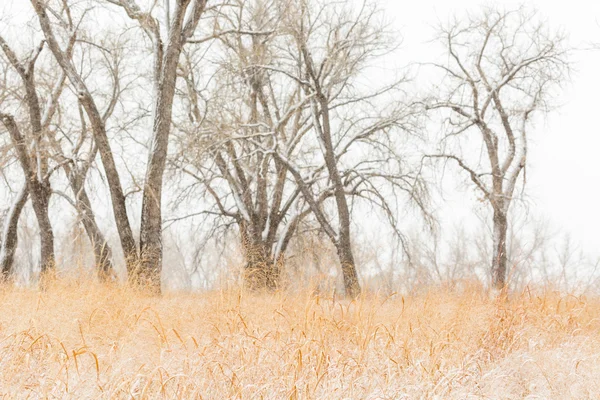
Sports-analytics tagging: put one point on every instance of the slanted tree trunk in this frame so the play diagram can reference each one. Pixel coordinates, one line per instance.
(340, 240)
(40, 192)
(499, 256)
(343, 243)
(322, 123)
(102, 251)
(35, 170)
(9, 234)
(76, 177)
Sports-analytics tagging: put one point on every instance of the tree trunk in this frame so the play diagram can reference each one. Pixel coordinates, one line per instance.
(343, 243)
(100, 247)
(322, 121)
(35, 171)
(102, 251)
(351, 284)
(40, 199)
(116, 191)
(261, 271)
(39, 190)
(9, 234)
(499, 256)
(151, 249)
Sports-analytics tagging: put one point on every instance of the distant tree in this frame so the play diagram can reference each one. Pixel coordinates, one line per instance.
(500, 68)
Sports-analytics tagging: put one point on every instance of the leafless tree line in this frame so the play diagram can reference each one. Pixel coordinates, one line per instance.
(261, 116)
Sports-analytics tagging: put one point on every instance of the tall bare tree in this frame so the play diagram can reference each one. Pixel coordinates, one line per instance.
(501, 68)
(350, 150)
(97, 121)
(74, 165)
(168, 40)
(222, 149)
(76, 168)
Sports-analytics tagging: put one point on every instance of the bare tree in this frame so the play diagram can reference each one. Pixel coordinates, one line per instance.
(74, 166)
(75, 163)
(97, 120)
(252, 108)
(273, 146)
(351, 150)
(9, 239)
(35, 169)
(502, 68)
(10, 221)
(168, 41)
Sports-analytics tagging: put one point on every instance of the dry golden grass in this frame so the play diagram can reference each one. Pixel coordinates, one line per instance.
(83, 340)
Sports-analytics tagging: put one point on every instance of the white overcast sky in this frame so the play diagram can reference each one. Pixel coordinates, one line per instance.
(564, 172)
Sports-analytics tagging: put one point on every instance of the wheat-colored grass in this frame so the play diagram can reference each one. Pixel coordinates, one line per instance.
(82, 340)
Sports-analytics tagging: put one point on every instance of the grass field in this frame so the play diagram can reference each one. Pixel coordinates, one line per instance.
(83, 340)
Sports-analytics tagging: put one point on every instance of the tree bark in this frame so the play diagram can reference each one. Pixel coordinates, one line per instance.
(35, 170)
(40, 199)
(76, 176)
(166, 61)
(322, 122)
(499, 256)
(261, 271)
(9, 234)
(151, 249)
(351, 284)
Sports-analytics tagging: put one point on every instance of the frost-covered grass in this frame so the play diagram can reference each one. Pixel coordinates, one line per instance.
(83, 340)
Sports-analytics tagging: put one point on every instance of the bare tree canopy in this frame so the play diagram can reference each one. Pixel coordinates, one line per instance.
(502, 68)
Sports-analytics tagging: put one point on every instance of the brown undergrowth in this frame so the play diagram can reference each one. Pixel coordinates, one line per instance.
(86, 340)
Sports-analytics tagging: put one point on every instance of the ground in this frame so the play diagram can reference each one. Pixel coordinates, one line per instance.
(81, 339)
